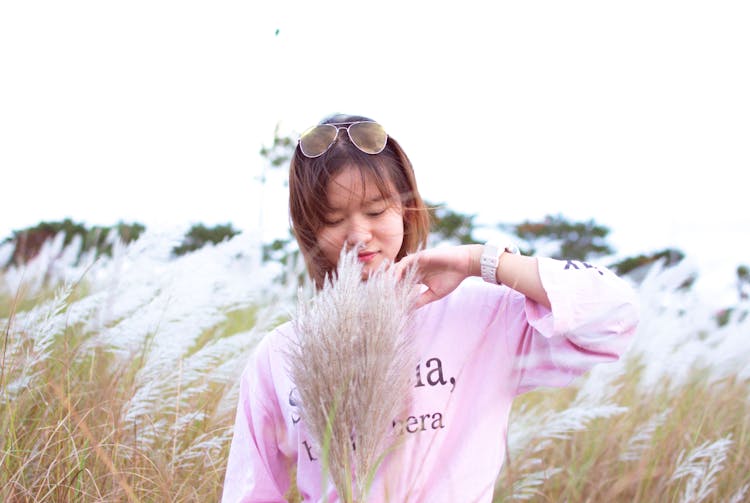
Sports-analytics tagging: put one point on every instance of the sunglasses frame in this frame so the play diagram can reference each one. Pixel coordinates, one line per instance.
(339, 126)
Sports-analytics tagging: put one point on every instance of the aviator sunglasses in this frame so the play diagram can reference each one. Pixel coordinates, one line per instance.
(368, 136)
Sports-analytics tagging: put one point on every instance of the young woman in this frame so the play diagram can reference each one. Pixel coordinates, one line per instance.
(491, 324)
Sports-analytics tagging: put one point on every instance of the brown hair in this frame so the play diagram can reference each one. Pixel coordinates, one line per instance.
(308, 204)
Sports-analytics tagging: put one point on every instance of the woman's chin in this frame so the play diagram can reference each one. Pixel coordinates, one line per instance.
(370, 267)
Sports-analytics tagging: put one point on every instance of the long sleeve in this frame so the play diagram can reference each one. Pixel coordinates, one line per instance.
(593, 317)
(257, 471)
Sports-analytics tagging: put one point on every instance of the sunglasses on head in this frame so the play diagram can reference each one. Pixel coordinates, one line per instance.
(368, 136)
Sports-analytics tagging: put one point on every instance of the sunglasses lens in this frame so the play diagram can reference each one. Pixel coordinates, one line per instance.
(316, 140)
(369, 137)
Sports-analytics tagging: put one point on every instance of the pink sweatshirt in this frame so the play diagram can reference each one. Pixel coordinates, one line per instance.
(478, 348)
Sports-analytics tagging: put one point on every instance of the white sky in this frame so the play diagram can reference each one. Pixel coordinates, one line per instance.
(636, 113)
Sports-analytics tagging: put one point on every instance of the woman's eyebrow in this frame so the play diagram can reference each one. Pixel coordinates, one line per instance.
(375, 199)
(372, 200)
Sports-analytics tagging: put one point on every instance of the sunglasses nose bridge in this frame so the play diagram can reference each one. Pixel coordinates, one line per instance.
(346, 129)
(338, 136)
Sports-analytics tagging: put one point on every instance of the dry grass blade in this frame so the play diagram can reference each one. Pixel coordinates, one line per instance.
(351, 365)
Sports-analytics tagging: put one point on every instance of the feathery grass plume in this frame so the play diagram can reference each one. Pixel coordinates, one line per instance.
(531, 426)
(29, 340)
(739, 496)
(34, 274)
(700, 467)
(602, 383)
(352, 367)
(527, 488)
(6, 253)
(679, 319)
(119, 376)
(643, 437)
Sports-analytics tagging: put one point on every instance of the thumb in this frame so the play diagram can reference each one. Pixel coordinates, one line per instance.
(410, 261)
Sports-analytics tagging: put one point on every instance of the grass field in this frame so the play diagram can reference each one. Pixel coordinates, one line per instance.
(119, 383)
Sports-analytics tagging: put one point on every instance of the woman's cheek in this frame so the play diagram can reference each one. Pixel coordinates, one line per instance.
(330, 243)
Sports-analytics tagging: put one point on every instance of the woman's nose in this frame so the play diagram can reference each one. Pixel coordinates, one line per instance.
(359, 231)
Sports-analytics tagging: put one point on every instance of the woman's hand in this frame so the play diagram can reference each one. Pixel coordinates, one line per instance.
(441, 270)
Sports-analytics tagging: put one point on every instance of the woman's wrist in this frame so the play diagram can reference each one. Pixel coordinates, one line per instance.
(475, 260)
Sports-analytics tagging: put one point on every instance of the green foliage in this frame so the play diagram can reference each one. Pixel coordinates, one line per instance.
(280, 250)
(743, 272)
(729, 314)
(199, 235)
(29, 241)
(743, 282)
(281, 150)
(450, 225)
(126, 232)
(670, 256)
(578, 240)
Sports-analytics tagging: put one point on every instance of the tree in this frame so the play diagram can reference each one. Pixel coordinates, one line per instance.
(275, 156)
(738, 313)
(199, 235)
(28, 242)
(449, 225)
(743, 282)
(670, 256)
(279, 153)
(572, 240)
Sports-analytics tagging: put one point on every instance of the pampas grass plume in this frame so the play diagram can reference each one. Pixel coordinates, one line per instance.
(352, 364)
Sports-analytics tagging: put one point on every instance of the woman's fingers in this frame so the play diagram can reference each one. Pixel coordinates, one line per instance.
(403, 265)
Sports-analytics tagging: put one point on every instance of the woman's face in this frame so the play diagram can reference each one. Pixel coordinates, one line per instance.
(361, 216)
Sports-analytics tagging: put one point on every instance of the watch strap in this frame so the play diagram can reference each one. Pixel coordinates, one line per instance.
(491, 258)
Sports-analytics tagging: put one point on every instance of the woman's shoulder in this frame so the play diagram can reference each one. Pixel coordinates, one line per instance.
(268, 357)
(277, 339)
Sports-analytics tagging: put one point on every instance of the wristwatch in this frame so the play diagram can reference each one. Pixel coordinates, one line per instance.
(491, 257)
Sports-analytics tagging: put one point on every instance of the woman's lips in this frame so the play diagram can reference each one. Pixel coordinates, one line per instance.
(366, 256)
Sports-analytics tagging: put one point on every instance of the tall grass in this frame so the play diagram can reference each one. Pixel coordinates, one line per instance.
(669, 422)
(119, 375)
(119, 383)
